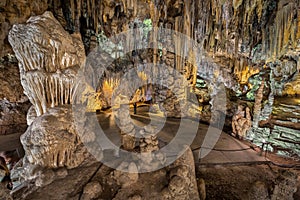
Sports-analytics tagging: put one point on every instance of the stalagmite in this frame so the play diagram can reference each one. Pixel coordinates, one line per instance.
(258, 104)
(241, 122)
(49, 61)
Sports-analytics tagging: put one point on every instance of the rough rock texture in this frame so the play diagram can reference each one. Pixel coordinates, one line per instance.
(13, 117)
(93, 180)
(52, 140)
(13, 12)
(248, 37)
(4, 193)
(241, 121)
(286, 186)
(127, 127)
(258, 191)
(63, 184)
(248, 182)
(10, 84)
(257, 106)
(13, 103)
(182, 183)
(49, 59)
(201, 189)
(177, 181)
(247, 33)
(243, 37)
(92, 191)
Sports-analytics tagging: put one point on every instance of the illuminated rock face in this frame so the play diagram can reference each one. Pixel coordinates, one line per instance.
(49, 61)
(52, 140)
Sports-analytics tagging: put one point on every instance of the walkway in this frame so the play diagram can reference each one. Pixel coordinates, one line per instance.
(227, 150)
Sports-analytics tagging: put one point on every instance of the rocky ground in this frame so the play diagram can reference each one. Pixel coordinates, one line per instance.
(252, 181)
(93, 180)
(97, 181)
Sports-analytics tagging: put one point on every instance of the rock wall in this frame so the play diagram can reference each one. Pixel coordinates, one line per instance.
(13, 12)
(13, 103)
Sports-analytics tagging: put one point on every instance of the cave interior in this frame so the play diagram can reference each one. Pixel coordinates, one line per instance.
(150, 99)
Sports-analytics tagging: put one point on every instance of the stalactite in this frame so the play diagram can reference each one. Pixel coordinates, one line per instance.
(72, 2)
(78, 15)
(96, 20)
(154, 17)
(89, 9)
(94, 8)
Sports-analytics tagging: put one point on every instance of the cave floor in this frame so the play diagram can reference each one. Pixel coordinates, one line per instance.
(231, 167)
(229, 170)
(227, 150)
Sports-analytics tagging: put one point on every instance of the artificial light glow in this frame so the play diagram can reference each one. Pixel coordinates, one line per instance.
(110, 83)
(142, 76)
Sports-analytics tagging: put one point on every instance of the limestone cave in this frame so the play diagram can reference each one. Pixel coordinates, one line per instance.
(150, 99)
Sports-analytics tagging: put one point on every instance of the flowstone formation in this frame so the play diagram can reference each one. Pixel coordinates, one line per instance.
(52, 140)
(49, 60)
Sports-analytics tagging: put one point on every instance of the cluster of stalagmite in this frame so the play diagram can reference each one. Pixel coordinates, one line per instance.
(49, 61)
(124, 122)
(150, 142)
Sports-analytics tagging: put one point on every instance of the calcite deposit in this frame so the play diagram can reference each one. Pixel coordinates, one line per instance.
(49, 60)
(231, 63)
(53, 146)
